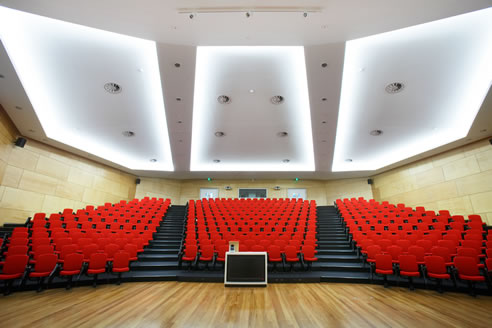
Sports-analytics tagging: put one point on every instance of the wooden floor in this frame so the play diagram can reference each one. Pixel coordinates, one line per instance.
(178, 304)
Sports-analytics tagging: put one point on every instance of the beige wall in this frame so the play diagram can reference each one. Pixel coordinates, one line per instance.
(41, 178)
(324, 192)
(159, 188)
(459, 180)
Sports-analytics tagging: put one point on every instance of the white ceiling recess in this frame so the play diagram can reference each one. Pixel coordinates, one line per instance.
(323, 34)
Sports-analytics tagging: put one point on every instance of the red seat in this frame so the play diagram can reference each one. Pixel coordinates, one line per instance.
(308, 255)
(206, 255)
(132, 250)
(97, 265)
(409, 268)
(14, 268)
(16, 250)
(419, 253)
(67, 249)
(436, 269)
(291, 256)
(470, 252)
(45, 265)
(88, 251)
(221, 254)
(384, 266)
(121, 263)
(404, 244)
(110, 250)
(467, 269)
(275, 256)
(395, 251)
(190, 255)
(444, 253)
(257, 248)
(72, 265)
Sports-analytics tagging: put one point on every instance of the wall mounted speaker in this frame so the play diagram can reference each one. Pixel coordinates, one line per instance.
(20, 142)
(137, 181)
(276, 188)
(228, 188)
(370, 181)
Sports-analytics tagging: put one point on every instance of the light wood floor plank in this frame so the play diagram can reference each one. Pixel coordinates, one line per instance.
(175, 304)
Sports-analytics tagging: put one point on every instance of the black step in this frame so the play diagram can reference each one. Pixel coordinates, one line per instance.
(155, 265)
(158, 257)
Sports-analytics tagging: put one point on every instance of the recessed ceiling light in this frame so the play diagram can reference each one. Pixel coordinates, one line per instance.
(128, 133)
(324, 65)
(140, 70)
(18, 107)
(180, 140)
(177, 65)
(251, 90)
(286, 160)
(323, 140)
(178, 98)
(324, 26)
(483, 130)
(112, 87)
(31, 130)
(376, 133)
(324, 99)
(349, 160)
(324, 122)
(219, 134)
(394, 87)
(282, 134)
(216, 160)
(277, 100)
(223, 99)
(153, 160)
(180, 122)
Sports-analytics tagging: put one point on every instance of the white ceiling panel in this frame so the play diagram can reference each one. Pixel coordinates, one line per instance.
(445, 72)
(64, 68)
(250, 77)
(59, 99)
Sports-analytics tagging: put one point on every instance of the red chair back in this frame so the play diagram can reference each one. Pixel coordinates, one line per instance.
(97, 261)
(15, 264)
(435, 264)
(45, 263)
(121, 260)
(466, 266)
(73, 262)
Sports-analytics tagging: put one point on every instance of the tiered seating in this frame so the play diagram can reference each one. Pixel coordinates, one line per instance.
(91, 240)
(258, 225)
(400, 231)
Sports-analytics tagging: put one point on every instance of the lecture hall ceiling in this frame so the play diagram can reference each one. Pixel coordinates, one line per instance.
(250, 90)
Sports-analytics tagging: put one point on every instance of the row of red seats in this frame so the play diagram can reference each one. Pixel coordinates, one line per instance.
(435, 240)
(290, 254)
(47, 266)
(69, 244)
(295, 230)
(432, 267)
(211, 208)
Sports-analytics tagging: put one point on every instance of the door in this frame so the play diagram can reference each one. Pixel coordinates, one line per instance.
(209, 193)
(296, 193)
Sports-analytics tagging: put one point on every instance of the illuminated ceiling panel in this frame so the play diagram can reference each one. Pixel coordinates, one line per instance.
(259, 134)
(444, 69)
(64, 69)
